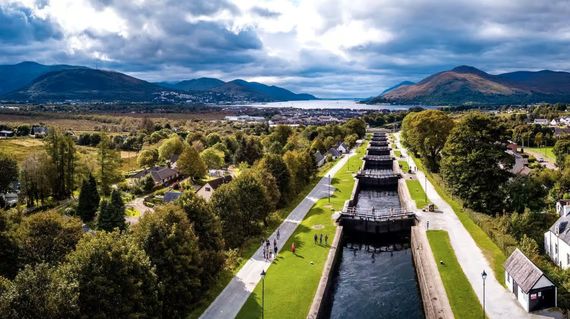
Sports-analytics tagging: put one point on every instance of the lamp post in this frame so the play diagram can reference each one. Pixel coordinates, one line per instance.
(329, 188)
(484, 276)
(425, 186)
(263, 273)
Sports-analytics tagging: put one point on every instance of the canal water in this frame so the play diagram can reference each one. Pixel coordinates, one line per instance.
(376, 279)
(378, 201)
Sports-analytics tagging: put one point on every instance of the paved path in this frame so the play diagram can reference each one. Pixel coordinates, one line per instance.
(547, 161)
(500, 303)
(138, 204)
(233, 297)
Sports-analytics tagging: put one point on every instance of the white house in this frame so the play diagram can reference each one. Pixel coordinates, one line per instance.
(208, 189)
(553, 123)
(563, 207)
(540, 121)
(342, 148)
(533, 290)
(557, 242)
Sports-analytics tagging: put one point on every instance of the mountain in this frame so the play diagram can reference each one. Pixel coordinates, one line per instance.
(237, 90)
(201, 84)
(18, 75)
(469, 85)
(404, 83)
(85, 85)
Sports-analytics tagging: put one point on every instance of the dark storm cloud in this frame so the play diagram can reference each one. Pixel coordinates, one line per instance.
(174, 40)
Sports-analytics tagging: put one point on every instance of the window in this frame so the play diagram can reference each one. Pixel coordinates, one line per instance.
(508, 278)
(567, 259)
(208, 189)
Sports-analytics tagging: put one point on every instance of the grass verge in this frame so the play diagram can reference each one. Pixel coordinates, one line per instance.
(294, 278)
(462, 297)
(490, 250)
(251, 245)
(544, 151)
(397, 154)
(417, 193)
(405, 166)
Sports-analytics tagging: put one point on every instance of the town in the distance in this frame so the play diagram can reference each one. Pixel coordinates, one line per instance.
(284, 159)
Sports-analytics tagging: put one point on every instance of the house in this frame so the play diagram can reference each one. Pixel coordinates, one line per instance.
(343, 148)
(172, 160)
(557, 242)
(512, 147)
(528, 283)
(319, 159)
(563, 207)
(564, 120)
(6, 134)
(334, 153)
(561, 131)
(171, 196)
(521, 163)
(160, 175)
(553, 123)
(39, 131)
(540, 122)
(208, 189)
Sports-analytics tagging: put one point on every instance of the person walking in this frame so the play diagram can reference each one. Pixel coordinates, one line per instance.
(321, 239)
(326, 239)
(316, 238)
(275, 251)
(277, 233)
(274, 242)
(293, 248)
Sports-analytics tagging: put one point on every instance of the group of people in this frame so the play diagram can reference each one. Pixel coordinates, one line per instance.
(319, 239)
(268, 252)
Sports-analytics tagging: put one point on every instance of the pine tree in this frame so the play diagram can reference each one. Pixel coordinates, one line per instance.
(88, 199)
(109, 164)
(112, 213)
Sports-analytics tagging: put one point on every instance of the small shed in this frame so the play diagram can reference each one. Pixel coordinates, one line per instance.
(528, 283)
(171, 196)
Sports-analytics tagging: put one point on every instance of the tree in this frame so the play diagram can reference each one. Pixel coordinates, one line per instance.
(264, 177)
(278, 168)
(474, 165)
(241, 204)
(148, 184)
(61, 150)
(524, 192)
(8, 172)
(8, 246)
(88, 199)
(213, 158)
(351, 140)
(147, 125)
(109, 161)
(190, 164)
(37, 178)
(301, 166)
(426, 133)
(355, 126)
(208, 228)
(110, 217)
(114, 277)
(39, 292)
(538, 139)
(561, 150)
(170, 147)
(168, 239)
(249, 150)
(47, 237)
(213, 138)
(147, 158)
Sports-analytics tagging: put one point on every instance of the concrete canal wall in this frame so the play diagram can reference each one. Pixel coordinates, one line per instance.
(434, 298)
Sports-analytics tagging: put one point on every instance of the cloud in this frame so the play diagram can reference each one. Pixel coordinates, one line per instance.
(329, 48)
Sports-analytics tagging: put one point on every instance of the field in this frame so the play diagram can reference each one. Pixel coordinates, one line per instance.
(544, 151)
(21, 148)
(417, 193)
(462, 298)
(295, 277)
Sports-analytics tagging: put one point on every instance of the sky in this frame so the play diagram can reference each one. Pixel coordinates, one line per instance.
(345, 48)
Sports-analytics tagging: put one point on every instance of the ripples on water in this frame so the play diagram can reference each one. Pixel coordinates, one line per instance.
(383, 201)
(380, 287)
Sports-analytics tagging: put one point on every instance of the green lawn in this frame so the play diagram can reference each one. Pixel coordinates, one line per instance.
(462, 298)
(405, 166)
(397, 154)
(251, 245)
(417, 193)
(491, 251)
(292, 280)
(545, 151)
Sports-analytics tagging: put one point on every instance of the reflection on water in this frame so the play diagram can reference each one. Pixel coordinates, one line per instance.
(376, 281)
(379, 201)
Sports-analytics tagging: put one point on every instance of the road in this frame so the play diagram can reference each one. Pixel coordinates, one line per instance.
(500, 303)
(138, 204)
(548, 162)
(233, 297)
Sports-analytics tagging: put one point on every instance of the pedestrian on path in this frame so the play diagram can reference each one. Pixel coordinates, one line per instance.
(277, 233)
(321, 240)
(293, 248)
(275, 250)
(274, 242)
(326, 239)
(427, 225)
(316, 238)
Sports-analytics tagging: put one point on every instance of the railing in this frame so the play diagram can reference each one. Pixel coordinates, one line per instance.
(377, 214)
(377, 158)
(364, 173)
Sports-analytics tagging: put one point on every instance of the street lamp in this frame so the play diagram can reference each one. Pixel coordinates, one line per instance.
(425, 186)
(484, 276)
(329, 188)
(263, 273)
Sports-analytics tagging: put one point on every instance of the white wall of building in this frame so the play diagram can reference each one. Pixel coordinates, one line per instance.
(551, 244)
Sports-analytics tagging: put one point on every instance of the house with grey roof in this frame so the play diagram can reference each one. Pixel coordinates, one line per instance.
(319, 159)
(160, 175)
(208, 189)
(334, 153)
(171, 196)
(533, 290)
(557, 242)
(342, 148)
